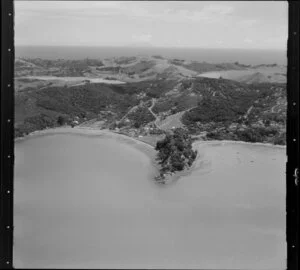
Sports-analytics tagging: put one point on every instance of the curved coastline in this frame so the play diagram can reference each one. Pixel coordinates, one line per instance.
(144, 147)
(241, 142)
(77, 131)
(96, 132)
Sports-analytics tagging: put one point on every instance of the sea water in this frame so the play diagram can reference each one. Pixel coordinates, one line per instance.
(90, 201)
(243, 56)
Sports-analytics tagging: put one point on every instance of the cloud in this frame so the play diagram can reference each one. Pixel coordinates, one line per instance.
(79, 9)
(142, 38)
(248, 40)
(195, 23)
(185, 14)
(248, 22)
(144, 10)
(217, 9)
(210, 13)
(66, 6)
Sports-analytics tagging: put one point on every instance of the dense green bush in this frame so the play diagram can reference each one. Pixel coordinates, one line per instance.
(249, 135)
(268, 117)
(214, 135)
(141, 117)
(157, 89)
(280, 139)
(86, 101)
(61, 120)
(258, 134)
(175, 151)
(210, 110)
(42, 121)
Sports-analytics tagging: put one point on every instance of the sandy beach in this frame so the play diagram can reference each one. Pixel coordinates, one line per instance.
(142, 146)
(135, 141)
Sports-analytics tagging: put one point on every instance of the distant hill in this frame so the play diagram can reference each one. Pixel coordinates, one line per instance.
(260, 77)
(142, 68)
(256, 74)
(166, 93)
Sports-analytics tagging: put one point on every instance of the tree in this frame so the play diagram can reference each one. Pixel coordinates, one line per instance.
(175, 151)
(60, 120)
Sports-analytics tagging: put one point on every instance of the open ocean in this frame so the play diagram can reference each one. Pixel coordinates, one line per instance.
(250, 57)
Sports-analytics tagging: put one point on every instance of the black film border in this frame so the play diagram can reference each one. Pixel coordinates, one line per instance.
(7, 134)
(292, 166)
(7, 137)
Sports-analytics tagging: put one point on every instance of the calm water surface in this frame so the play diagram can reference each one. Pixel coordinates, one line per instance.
(89, 202)
(71, 79)
(253, 57)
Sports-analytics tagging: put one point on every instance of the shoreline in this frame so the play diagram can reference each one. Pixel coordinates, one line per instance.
(92, 131)
(242, 142)
(76, 130)
(142, 146)
(145, 148)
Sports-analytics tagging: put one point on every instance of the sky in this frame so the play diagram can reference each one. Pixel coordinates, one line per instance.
(202, 24)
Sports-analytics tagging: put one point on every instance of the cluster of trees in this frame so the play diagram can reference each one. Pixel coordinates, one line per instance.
(88, 98)
(210, 110)
(61, 120)
(33, 123)
(275, 117)
(175, 104)
(141, 117)
(82, 101)
(280, 139)
(251, 134)
(175, 151)
(159, 88)
(229, 102)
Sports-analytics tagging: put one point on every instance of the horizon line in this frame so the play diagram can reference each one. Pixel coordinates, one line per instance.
(153, 47)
